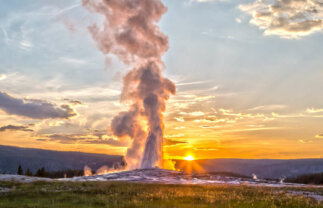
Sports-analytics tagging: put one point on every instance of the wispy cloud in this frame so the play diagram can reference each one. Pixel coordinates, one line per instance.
(211, 120)
(26, 45)
(195, 113)
(314, 110)
(66, 9)
(179, 127)
(73, 61)
(74, 102)
(180, 119)
(83, 139)
(192, 83)
(267, 107)
(206, 149)
(174, 136)
(210, 127)
(170, 142)
(320, 136)
(305, 141)
(18, 28)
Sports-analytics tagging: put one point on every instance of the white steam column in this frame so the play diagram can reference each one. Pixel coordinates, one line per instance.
(131, 33)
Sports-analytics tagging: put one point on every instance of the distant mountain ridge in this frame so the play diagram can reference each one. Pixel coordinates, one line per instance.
(263, 168)
(11, 157)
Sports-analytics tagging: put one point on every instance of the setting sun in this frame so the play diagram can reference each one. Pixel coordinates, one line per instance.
(189, 158)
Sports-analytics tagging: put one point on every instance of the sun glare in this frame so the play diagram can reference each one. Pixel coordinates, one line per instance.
(189, 158)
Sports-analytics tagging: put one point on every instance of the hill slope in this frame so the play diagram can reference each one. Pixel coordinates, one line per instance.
(11, 157)
(263, 168)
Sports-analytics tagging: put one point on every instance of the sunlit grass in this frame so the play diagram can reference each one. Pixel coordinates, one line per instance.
(112, 194)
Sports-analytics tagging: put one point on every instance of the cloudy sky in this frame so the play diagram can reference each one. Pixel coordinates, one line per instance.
(248, 76)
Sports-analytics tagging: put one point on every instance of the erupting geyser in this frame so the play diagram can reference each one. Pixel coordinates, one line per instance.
(131, 33)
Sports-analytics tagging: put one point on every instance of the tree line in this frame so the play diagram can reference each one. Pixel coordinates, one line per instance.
(315, 178)
(42, 172)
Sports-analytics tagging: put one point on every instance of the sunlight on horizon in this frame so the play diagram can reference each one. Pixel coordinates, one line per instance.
(189, 158)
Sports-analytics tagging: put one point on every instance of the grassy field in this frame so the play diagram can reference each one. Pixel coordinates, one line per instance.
(113, 194)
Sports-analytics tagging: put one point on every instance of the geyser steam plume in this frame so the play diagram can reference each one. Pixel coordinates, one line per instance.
(131, 33)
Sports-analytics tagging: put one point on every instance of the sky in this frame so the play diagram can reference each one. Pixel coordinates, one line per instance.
(248, 75)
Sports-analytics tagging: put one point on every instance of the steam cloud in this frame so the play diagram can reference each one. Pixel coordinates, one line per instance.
(130, 32)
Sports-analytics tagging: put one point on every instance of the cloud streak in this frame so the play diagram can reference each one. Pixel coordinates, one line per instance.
(170, 142)
(34, 109)
(314, 110)
(83, 139)
(15, 128)
(290, 19)
(319, 136)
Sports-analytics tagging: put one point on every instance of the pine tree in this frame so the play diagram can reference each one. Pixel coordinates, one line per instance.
(41, 172)
(28, 172)
(20, 170)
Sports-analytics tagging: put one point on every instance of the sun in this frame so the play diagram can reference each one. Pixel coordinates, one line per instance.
(189, 158)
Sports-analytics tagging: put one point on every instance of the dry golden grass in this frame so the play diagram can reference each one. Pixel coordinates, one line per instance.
(113, 194)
